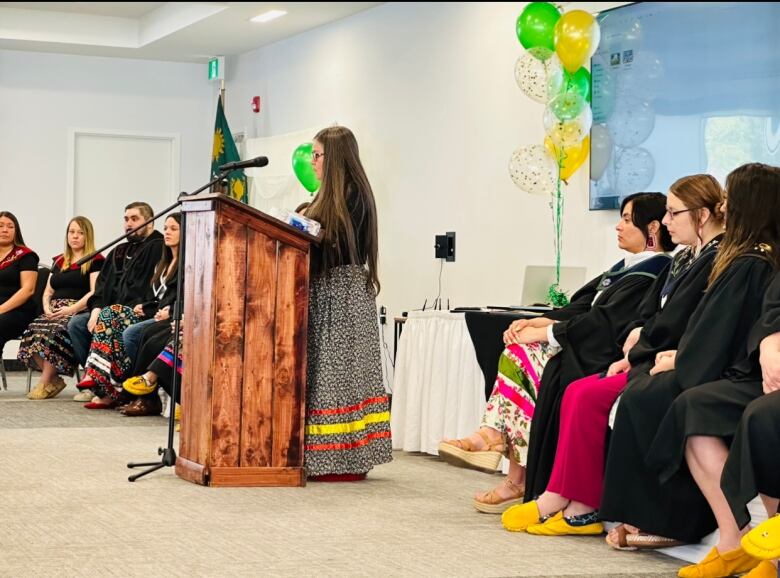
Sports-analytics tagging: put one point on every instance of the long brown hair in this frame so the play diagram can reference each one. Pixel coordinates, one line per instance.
(341, 169)
(167, 255)
(699, 192)
(752, 215)
(18, 239)
(89, 244)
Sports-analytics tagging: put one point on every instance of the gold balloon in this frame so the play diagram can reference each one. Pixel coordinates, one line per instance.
(577, 36)
(569, 158)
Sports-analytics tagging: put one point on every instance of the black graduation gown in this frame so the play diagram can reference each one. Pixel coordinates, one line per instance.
(127, 273)
(752, 465)
(713, 341)
(710, 409)
(154, 338)
(590, 341)
(153, 303)
(715, 409)
(662, 328)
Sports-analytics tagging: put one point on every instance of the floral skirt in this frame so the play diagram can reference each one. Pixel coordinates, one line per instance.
(49, 340)
(107, 361)
(510, 408)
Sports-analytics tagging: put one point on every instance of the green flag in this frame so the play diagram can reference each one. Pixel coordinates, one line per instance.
(224, 151)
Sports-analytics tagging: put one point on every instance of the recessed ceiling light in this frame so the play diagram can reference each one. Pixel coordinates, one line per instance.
(268, 16)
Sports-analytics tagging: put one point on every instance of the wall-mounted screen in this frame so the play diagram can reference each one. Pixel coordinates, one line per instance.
(680, 89)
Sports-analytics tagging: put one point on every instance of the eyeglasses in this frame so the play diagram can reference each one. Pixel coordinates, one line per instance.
(317, 156)
(672, 214)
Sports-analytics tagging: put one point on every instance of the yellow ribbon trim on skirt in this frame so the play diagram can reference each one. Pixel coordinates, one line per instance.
(353, 426)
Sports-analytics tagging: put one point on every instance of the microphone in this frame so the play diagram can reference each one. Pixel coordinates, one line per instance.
(234, 166)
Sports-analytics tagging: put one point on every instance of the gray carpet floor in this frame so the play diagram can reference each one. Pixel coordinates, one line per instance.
(67, 509)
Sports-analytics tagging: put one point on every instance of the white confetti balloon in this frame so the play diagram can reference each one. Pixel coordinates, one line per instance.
(539, 80)
(533, 170)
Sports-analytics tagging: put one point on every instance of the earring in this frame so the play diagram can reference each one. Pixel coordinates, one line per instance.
(651, 242)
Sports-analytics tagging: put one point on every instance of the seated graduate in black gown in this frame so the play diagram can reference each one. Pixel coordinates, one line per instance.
(713, 342)
(703, 421)
(546, 350)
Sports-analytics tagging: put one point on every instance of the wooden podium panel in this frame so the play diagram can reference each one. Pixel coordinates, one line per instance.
(246, 288)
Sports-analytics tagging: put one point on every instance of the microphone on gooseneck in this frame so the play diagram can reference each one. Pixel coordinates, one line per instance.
(234, 166)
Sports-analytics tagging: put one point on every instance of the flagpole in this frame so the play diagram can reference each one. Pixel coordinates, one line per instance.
(219, 188)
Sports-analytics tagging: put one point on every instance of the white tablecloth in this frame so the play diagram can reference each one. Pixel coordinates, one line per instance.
(438, 390)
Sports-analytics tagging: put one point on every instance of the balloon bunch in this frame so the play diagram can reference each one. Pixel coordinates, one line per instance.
(301, 162)
(551, 71)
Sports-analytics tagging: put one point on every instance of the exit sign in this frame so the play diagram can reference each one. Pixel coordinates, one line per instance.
(217, 68)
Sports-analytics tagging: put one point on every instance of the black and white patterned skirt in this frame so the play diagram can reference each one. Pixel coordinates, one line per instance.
(347, 409)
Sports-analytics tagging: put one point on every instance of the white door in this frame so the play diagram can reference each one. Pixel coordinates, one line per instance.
(111, 170)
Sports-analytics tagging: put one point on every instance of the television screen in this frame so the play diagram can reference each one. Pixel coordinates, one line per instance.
(680, 89)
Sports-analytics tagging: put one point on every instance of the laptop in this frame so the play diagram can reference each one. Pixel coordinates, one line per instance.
(537, 281)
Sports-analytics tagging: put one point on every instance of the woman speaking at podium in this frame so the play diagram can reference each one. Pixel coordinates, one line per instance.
(347, 411)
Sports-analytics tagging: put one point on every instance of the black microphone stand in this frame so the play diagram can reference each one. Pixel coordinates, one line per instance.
(168, 453)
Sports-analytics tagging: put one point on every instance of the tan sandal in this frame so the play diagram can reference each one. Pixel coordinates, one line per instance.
(47, 390)
(492, 503)
(36, 391)
(463, 453)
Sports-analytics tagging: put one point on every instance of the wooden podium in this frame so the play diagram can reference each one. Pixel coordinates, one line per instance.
(246, 287)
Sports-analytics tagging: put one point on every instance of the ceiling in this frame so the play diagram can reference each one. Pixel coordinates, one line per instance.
(176, 31)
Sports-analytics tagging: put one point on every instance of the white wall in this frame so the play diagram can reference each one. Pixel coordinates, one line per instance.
(43, 95)
(429, 90)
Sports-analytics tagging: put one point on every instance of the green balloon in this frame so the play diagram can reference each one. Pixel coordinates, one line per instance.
(567, 106)
(535, 28)
(301, 162)
(578, 82)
